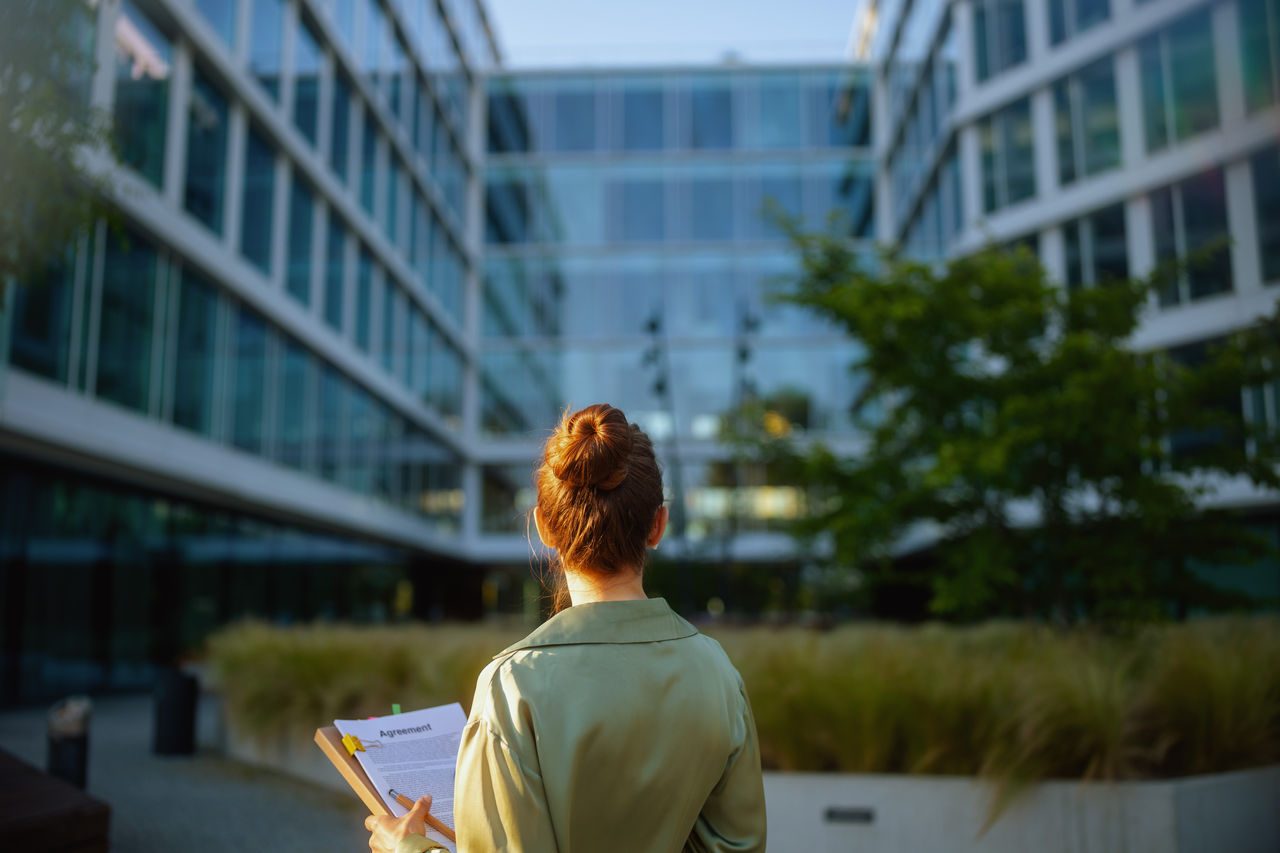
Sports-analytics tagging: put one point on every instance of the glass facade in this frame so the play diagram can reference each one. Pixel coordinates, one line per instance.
(307, 62)
(634, 254)
(1008, 156)
(1189, 226)
(1088, 122)
(266, 43)
(1266, 192)
(144, 66)
(1259, 23)
(1097, 247)
(1000, 36)
(1179, 81)
(258, 201)
(207, 137)
(1069, 18)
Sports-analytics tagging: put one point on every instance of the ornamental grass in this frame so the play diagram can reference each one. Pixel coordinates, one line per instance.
(1011, 703)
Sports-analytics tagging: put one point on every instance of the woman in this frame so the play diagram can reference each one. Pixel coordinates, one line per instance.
(615, 726)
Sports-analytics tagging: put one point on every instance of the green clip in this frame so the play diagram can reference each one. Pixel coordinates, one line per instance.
(395, 708)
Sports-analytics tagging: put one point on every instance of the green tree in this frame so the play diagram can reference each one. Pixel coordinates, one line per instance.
(1019, 457)
(48, 195)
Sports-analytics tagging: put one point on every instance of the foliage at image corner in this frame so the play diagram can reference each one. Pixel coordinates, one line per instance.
(992, 393)
(48, 195)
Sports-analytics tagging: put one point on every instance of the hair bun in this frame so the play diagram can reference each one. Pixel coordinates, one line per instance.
(591, 447)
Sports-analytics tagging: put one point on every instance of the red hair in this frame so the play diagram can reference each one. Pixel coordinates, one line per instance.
(599, 491)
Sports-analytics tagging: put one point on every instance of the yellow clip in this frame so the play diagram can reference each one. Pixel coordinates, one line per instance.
(352, 743)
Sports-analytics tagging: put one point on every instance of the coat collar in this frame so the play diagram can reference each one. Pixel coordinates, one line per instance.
(649, 621)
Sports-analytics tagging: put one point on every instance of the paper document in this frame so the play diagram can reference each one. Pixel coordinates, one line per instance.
(413, 753)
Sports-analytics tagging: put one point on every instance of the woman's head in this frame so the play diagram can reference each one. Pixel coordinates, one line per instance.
(599, 491)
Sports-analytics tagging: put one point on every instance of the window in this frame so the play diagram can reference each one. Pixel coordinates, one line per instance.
(368, 163)
(1069, 18)
(838, 113)
(779, 193)
(1190, 227)
(126, 326)
(575, 112)
(1096, 247)
(250, 381)
(221, 17)
(42, 320)
(1260, 51)
(335, 269)
(1008, 162)
(710, 116)
(640, 215)
(1179, 84)
(1266, 193)
(391, 221)
(197, 356)
(375, 39)
(711, 208)
(780, 125)
(301, 217)
(295, 417)
(144, 63)
(1000, 36)
(392, 306)
(266, 33)
(364, 299)
(331, 427)
(340, 128)
(207, 124)
(1088, 122)
(643, 124)
(258, 200)
(306, 81)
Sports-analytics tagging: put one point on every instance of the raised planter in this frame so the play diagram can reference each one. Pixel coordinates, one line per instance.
(837, 813)
(819, 812)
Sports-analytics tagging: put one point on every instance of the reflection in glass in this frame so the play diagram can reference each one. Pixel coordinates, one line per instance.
(711, 209)
(636, 211)
(295, 417)
(126, 324)
(258, 201)
(1000, 36)
(708, 115)
(1008, 164)
(779, 124)
(144, 61)
(1069, 18)
(207, 128)
(368, 162)
(266, 35)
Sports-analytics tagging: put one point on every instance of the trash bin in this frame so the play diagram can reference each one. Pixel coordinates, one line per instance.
(69, 739)
(175, 713)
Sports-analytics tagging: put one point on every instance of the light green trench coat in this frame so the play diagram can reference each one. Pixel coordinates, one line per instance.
(613, 727)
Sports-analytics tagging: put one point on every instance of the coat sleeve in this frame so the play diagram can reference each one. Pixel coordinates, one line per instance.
(499, 801)
(733, 817)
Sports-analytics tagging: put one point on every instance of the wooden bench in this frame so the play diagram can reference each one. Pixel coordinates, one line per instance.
(39, 812)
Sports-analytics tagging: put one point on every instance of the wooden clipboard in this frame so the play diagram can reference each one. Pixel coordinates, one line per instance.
(329, 739)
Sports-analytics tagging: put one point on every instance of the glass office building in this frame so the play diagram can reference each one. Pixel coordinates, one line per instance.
(634, 247)
(248, 395)
(1111, 136)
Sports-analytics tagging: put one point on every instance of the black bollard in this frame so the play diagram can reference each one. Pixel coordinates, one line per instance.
(175, 713)
(69, 740)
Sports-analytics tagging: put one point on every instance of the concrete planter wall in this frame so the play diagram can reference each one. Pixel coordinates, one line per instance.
(823, 813)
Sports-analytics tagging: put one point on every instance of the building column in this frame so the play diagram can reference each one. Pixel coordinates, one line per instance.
(1129, 108)
(175, 154)
(1242, 225)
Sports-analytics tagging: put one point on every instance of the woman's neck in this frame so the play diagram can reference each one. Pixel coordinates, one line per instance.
(624, 585)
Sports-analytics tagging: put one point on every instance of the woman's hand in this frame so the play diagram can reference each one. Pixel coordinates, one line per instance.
(386, 832)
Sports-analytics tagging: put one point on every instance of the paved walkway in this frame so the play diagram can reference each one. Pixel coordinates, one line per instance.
(192, 805)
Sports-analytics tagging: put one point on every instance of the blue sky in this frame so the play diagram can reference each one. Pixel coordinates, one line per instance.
(567, 33)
